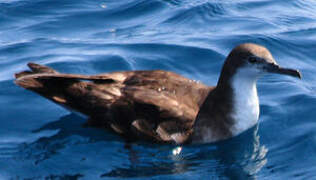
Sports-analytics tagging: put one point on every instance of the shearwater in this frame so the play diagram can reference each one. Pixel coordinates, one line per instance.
(162, 106)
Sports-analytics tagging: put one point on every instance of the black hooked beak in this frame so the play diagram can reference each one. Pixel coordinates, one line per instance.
(275, 68)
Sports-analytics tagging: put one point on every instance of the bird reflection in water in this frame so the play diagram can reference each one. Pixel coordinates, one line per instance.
(239, 158)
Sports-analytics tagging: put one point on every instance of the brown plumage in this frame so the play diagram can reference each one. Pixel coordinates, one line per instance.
(150, 105)
(162, 106)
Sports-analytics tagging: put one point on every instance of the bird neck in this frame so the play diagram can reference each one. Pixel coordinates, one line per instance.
(231, 108)
(245, 109)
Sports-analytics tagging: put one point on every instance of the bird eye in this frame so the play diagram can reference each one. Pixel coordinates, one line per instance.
(252, 59)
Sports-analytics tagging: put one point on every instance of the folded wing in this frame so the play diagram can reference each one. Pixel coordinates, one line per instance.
(154, 105)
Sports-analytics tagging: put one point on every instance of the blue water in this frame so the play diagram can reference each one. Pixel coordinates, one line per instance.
(40, 140)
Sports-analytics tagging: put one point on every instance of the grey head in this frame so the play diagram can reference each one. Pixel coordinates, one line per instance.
(256, 60)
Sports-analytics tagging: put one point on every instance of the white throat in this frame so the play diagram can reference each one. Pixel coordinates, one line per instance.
(245, 100)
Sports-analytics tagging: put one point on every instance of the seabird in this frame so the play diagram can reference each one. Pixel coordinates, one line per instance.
(163, 106)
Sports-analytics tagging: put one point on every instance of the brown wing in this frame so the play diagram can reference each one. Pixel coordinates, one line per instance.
(155, 105)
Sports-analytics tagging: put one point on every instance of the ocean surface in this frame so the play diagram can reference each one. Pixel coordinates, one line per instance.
(41, 140)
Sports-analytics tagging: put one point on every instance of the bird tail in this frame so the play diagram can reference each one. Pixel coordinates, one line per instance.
(41, 79)
(28, 80)
(40, 76)
(64, 89)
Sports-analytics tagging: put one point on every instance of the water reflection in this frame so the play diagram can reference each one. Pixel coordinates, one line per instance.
(71, 131)
(242, 157)
(238, 158)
